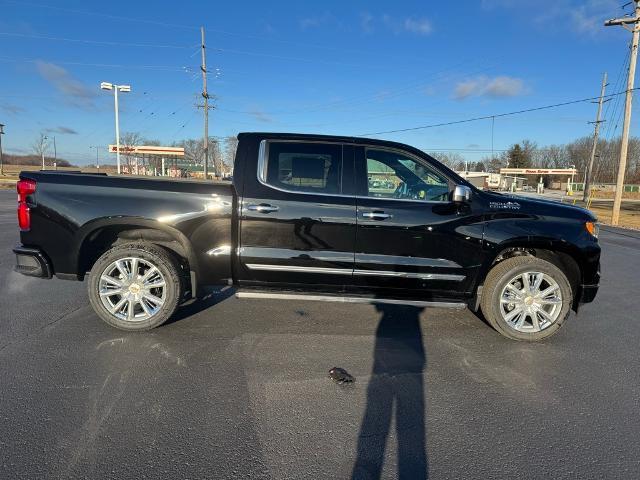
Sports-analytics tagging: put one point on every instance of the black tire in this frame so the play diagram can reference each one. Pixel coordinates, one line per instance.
(171, 292)
(502, 274)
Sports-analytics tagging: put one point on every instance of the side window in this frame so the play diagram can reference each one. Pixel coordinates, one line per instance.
(394, 175)
(305, 167)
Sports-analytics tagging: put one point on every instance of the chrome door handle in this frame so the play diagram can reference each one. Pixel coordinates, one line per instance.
(376, 215)
(262, 208)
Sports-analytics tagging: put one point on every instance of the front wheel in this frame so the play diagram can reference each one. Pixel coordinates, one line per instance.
(526, 298)
(135, 286)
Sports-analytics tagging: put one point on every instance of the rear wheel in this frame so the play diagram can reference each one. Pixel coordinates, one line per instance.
(526, 298)
(135, 286)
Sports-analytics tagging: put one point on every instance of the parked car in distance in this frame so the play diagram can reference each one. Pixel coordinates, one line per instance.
(301, 221)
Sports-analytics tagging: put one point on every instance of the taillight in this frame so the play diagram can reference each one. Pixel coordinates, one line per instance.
(24, 188)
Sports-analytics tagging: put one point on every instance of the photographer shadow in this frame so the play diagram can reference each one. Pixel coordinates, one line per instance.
(396, 386)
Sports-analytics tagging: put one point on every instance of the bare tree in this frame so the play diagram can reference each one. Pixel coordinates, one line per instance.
(39, 146)
(128, 140)
(193, 151)
(215, 154)
(451, 159)
(230, 148)
(495, 163)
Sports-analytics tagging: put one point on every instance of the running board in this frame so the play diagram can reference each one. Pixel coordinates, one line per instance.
(344, 299)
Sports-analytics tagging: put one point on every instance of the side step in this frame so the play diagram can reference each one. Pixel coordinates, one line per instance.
(345, 299)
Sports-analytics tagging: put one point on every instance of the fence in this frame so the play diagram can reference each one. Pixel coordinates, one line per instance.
(605, 187)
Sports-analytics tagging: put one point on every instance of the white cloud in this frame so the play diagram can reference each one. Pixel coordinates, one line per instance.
(314, 21)
(496, 87)
(582, 17)
(366, 22)
(74, 91)
(421, 26)
(261, 116)
(413, 25)
(11, 108)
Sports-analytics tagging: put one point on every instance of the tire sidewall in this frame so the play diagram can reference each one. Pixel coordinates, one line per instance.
(537, 265)
(157, 257)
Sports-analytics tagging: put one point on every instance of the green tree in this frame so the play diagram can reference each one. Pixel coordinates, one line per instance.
(518, 158)
(479, 166)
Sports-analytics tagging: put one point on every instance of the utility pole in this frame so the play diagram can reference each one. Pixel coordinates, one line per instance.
(97, 159)
(205, 95)
(1, 133)
(55, 154)
(624, 147)
(587, 178)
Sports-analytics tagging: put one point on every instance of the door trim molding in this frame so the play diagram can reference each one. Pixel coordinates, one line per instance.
(301, 269)
(422, 276)
(347, 299)
(348, 271)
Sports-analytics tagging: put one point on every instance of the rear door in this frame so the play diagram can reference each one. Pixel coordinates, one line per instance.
(298, 216)
(411, 239)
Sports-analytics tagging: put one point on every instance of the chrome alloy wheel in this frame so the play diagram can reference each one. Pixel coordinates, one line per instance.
(132, 289)
(531, 302)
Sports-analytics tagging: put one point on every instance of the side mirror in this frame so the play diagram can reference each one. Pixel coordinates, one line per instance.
(461, 194)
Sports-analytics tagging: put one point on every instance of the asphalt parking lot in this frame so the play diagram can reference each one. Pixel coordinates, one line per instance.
(239, 388)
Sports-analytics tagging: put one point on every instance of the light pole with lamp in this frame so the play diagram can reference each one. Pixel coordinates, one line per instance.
(116, 89)
(43, 148)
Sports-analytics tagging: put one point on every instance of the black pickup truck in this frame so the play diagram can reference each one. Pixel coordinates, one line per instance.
(311, 217)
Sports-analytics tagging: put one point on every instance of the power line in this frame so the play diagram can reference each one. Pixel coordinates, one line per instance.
(97, 14)
(611, 125)
(448, 73)
(487, 117)
(217, 31)
(104, 65)
(93, 42)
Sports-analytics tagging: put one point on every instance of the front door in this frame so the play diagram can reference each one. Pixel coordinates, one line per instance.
(298, 214)
(411, 240)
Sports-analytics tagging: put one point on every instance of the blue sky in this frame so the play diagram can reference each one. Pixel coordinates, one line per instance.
(330, 67)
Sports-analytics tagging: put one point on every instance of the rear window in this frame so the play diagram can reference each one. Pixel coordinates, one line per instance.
(305, 167)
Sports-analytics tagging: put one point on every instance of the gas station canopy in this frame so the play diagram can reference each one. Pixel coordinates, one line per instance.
(538, 171)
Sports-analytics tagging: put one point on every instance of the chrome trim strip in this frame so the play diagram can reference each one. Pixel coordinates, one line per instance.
(377, 259)
(346, 299)
(424, 202)
(295, 268)
(263, 154)
(262, 163)
(289, 255)
(348, 271)
(422, 276)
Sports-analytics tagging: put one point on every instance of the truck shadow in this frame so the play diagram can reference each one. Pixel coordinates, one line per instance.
(211, 297)
(396, 386)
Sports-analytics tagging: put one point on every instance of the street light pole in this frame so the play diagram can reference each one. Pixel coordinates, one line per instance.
(116, 89)
(43, 146)
(115, 100)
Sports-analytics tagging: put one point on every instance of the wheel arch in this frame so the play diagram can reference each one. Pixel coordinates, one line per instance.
(98, 236)
(559, 253)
